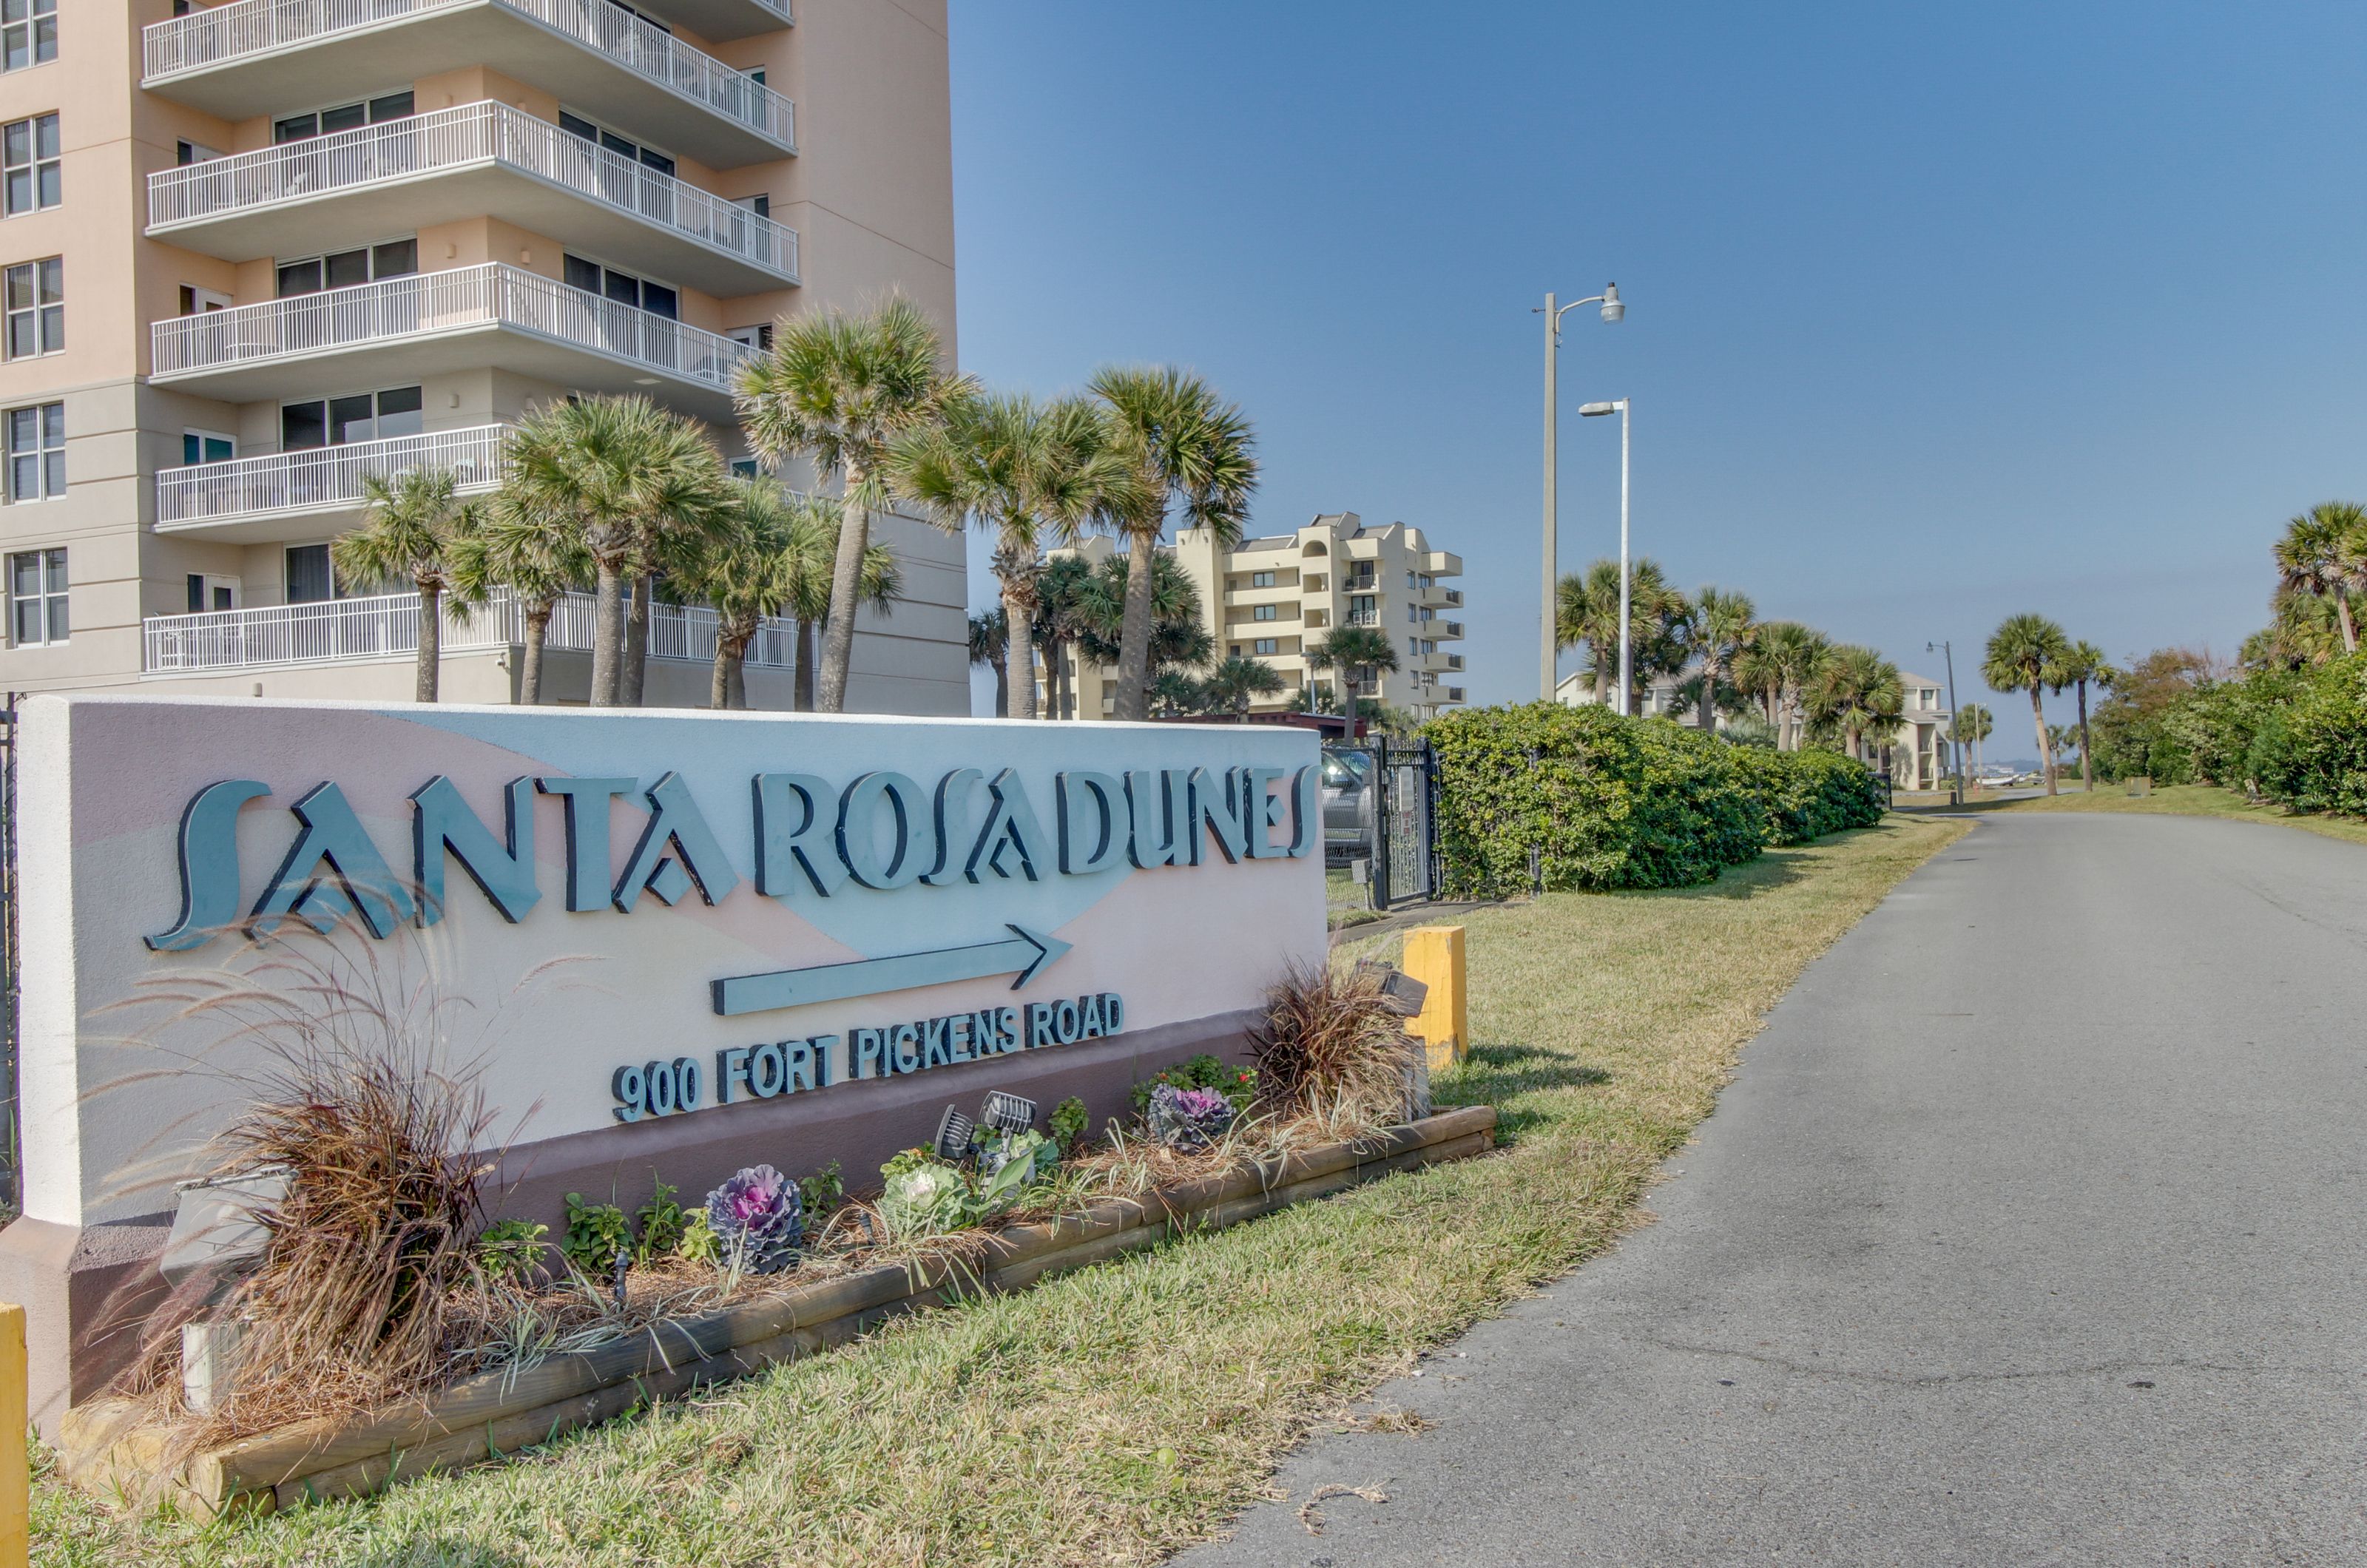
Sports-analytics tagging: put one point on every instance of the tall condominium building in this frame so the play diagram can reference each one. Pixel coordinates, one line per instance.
(251, 253)
(1269, 599)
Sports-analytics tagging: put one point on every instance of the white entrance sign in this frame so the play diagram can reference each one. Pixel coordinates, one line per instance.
(778, 937)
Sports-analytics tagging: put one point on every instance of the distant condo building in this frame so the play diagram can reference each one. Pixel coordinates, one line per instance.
(1271, 599)
(253, 253)
(1915, 754)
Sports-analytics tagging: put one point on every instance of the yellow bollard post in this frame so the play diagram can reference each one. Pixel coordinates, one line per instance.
(16, 1477)
(1434, 956)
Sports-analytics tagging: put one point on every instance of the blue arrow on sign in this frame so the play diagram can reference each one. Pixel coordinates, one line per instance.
(1026, 951)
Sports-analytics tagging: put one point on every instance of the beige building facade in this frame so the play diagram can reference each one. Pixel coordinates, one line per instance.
(252, 251)
(1915, 754)
(1271, 599)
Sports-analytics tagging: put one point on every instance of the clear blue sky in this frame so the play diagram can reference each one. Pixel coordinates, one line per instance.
(1936, 313)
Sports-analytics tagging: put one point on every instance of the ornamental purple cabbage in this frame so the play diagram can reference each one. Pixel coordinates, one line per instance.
(758, 1215)
(1189, 1118)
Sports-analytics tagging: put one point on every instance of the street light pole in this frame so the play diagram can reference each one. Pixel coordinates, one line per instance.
(1956, 746)
(1626, 613)
(1612, 310)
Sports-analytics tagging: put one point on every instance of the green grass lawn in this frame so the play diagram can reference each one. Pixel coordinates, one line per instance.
(1116, 1414)
(2180, 800)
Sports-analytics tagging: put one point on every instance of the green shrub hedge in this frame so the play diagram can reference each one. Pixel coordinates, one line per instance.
(1612, 802)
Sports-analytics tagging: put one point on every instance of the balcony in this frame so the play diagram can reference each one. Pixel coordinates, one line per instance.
(299, 495)
(1444, 628)
(386, 625)
(1454, 662)
(238, 61)
(438, 323)
(1453, 598)
(1453, 693)
(337, 192)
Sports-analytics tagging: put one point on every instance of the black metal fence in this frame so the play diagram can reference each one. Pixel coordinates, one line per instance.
(1380, 808)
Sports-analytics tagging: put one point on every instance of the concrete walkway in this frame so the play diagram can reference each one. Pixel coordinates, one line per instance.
(2034, 1231)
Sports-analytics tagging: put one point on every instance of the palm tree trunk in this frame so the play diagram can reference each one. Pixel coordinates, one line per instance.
(1602, 679)
(2087, 771)
(1001, 662)
(2342, 615)
(719, 680)
(637, 641)
(1134, 632)
(1707, 717)
(845, 585)
(1056, 676)
(607, 634)
(802, 688)
(431, 641)
(738, 695)
(537, 628)
(1016, 677)
(1348, 700)
(2045, 743)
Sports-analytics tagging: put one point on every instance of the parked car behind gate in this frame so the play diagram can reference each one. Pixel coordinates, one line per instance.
(1348, 804)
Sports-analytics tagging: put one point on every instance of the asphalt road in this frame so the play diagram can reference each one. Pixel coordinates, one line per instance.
(2034, 1231)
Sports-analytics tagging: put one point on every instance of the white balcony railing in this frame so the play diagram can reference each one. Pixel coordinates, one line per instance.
(321, 477)
(445, 140)
(225, 33)
(433, 303)
(386, 625)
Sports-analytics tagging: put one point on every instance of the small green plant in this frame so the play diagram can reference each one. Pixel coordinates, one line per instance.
(823, 1192)
(1204, 1071)
(699, 1244)
(1068, 1122)
(595, 1234)
(511, 1250)
(661, 1223)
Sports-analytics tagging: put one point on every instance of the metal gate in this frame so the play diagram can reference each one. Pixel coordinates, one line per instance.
(1393, 805)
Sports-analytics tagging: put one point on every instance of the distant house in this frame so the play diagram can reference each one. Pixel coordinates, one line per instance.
(1915, 755)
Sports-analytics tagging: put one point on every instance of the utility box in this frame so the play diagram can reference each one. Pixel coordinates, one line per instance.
(1434, 956)
(2140, 786)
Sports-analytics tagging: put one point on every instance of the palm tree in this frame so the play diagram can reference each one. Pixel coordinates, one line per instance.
(2020, 653)
(989, 649)
(1722, 626)
(1189, 454)
(627, 474)
(1587, 610)
(817, 527)
(2321, 555)
(740, 574)
(1857, 690)
(537, 557)
(1354, 652)
(1782, 665)
(1969, 726)
(1178, 639)
(412, 532)
(1062, 589)
(2080, 663)
(835, 390)
(1235, 683)
(1174, 694)
(1032, 474)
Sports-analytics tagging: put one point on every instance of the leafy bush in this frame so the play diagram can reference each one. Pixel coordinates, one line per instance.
(1809, 794)
(595, 1234)
(511, 1250)
(1068, 1122)
(1608, 802)
(2312, 751)
(1204, 1071)
(661, 1224)
(823, 1192)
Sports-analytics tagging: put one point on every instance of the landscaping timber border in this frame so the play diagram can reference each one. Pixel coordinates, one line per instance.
(493, 1413)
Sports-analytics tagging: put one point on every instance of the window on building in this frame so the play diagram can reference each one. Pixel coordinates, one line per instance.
(644, 15)
(744, 467)
(188, 152)
(758, 338)
(358, 416)
(207, 592)
(207, 446)
(1265, 613)
(657, 298)
(29, 33)
(37, 597)
(29, 155)
(1268, 645)
(762, 205)
(396, 258)
(1261, 580)
(36, 452)
(1363, 609)
(35, 293)
(648, 157)
(345, 117)
(310, 578)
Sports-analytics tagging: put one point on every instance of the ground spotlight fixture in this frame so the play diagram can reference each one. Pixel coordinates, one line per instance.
(1007, 1113)
(1613, 310)
(952, 1142)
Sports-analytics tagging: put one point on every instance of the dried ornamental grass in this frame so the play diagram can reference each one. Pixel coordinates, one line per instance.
(1333, 1047)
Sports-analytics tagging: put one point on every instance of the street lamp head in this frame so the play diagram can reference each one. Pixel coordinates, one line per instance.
(1612, 310)
(1593, 410)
